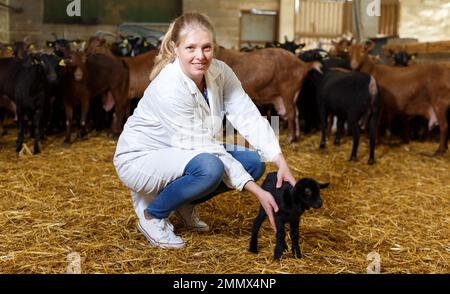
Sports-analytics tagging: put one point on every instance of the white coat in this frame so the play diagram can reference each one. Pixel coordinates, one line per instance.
(173, 123)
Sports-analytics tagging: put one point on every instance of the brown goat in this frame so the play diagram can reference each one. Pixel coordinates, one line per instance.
(271, 76)
(139, 66)
(422, 89)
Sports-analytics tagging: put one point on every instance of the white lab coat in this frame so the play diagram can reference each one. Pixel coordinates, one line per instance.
(173, 123)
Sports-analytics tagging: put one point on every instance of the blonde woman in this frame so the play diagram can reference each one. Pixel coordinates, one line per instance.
(169, 153)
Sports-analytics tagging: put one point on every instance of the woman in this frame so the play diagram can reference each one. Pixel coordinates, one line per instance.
(170, 153)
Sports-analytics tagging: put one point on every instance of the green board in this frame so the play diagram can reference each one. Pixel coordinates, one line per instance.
(113, 12)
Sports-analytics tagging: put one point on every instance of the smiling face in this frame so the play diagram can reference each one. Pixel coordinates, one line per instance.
(195, 52)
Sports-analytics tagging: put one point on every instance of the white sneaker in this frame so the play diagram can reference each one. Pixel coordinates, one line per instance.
(159, 232)
(188, 215)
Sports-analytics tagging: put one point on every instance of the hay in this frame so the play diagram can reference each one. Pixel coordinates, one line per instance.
(70, 200)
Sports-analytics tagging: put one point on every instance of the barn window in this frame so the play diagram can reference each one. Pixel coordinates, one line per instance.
(258, 27)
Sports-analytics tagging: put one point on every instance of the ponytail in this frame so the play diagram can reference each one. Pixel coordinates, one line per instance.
(166, 54)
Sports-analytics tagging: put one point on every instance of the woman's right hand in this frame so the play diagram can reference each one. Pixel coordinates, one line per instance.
(266, 199)
(270, 206)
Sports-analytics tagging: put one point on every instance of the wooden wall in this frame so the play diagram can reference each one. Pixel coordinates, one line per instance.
(4, 22)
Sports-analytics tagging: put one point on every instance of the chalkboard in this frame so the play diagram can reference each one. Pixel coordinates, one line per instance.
(113, 12)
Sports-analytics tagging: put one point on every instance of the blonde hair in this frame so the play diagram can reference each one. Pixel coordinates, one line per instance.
(178, 28)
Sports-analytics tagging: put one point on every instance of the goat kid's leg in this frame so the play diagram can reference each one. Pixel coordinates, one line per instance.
(294, 233)
(280, 239)
(256, 226)
(355, 128)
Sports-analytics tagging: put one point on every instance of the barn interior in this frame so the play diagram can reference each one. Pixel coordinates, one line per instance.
(64, 209)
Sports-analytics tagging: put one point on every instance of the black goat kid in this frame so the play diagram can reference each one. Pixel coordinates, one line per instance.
(292, 202)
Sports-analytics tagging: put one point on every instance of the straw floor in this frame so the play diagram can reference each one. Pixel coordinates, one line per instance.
(70, 201)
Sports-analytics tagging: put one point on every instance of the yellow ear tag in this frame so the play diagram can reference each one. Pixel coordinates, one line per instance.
(9, 49)
(35, 61)
(145, 44)
(62, 63)
(413, 57)
(125, 41)
(31, 47)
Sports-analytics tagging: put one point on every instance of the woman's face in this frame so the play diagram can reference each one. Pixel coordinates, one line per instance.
(195, 52)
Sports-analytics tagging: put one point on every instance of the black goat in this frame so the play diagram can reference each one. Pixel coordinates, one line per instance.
(307, 101)
(292, 202)
(351, 96)
(34, 78)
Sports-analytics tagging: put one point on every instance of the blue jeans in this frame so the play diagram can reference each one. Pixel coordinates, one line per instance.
(202, 180)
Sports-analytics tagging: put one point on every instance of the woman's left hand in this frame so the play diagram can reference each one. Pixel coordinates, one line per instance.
(284, 173)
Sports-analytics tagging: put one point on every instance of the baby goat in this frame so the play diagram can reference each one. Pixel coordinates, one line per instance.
(292, 202)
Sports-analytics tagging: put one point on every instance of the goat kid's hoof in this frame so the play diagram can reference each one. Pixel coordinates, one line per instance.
(322, 146)
(253, 250)
(371, 161)
(353, 158)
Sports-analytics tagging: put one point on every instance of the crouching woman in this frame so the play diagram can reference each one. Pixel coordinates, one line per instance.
(169, 153)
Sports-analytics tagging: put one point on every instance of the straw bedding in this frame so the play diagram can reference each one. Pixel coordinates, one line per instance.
(70, 200)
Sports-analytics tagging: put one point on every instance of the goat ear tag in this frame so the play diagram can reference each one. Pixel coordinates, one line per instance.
(145, 44)
(62, 63)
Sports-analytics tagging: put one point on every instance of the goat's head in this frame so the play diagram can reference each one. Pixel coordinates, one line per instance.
(307, 191)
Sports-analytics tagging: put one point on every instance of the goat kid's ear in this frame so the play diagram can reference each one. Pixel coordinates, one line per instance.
(323, 186)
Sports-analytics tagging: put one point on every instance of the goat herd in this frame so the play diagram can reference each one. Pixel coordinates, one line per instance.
(47, 88)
